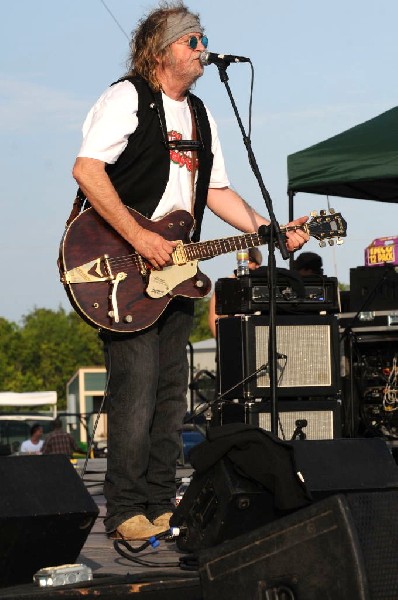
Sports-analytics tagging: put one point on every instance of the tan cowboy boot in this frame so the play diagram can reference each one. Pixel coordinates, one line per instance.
(137, 528)
(163, 521)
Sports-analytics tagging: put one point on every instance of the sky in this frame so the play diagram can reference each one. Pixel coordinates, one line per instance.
(319, 69)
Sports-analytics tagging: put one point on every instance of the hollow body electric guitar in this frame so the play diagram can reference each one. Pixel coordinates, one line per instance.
(112, 287)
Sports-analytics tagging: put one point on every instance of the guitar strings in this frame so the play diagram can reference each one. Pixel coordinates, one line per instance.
(194, 250)
(211, 248)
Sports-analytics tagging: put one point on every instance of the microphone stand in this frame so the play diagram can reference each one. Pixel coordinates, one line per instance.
(273, 233)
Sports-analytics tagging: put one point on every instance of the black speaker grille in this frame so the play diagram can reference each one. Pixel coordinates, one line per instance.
(312, 554)
(376, 519)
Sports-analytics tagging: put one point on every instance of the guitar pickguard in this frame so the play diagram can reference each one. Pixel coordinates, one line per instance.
(163, 282)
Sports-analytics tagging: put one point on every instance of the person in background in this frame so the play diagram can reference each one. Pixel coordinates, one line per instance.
(308, 263)
(59, 442)
(255, 260)
(35, 443)
(151, 145)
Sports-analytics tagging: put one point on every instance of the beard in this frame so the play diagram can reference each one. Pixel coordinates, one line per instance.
(185, 72)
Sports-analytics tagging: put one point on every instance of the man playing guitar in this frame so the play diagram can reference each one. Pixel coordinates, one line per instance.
(152, 146)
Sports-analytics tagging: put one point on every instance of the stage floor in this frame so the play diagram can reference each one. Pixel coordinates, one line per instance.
(98, 551)
(354, 483)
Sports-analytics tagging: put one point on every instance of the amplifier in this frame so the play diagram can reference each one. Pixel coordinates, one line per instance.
(250, 294)
(308, 349)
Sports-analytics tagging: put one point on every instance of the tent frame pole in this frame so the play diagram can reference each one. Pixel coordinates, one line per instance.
(291, 217)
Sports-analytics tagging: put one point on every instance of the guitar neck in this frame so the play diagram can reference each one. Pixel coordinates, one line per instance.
(320, 227)
(212, 248)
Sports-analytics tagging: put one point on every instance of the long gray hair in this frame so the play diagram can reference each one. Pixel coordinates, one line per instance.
(147, 43)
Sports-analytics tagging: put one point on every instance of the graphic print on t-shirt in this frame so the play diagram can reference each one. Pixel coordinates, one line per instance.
(182, 158)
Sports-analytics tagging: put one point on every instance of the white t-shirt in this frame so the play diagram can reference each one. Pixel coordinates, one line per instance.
(113, 118)
(28, 446)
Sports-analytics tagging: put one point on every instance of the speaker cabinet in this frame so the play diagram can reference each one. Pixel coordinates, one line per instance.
(219, 505)
(373, 288)
(46, 514)
(340, 548)
(309, 419)
(345, 465)
(308, 349)
(244, 477)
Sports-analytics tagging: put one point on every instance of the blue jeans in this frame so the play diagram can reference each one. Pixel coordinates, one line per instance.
(148, 377)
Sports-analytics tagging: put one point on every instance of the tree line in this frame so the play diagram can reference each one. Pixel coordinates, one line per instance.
(49, 346)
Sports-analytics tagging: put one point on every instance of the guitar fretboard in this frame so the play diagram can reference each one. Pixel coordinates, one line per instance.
(212, 248)
(323, 227)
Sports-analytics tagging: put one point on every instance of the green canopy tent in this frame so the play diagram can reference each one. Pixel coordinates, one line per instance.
(361, 162)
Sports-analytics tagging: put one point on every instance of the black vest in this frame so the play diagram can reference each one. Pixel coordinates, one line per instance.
(141, 173)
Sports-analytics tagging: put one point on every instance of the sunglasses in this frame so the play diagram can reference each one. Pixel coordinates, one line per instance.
(193, 41)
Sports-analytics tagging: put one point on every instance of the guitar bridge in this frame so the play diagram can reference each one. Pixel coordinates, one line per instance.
(93, 271)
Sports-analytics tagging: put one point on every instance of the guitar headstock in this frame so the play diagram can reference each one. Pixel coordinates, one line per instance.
(327, 227)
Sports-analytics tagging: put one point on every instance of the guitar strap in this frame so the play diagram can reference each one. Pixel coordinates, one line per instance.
(194, 158)
(76, 207)
(76, 210)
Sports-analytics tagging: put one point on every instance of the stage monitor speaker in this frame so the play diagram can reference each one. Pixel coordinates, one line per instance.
(244, 478)
(309, 356)
(341, 547)
(46, 514)
(218, 505)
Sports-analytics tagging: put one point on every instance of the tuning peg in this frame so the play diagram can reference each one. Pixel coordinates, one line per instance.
(332, 211)
(314, 213)
(339, 241)
(331, 242)
(322, 213)
(322, 244)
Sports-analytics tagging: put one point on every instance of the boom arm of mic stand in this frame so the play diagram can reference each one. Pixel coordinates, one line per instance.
(206, 405)
(278, 235)
(275, 235)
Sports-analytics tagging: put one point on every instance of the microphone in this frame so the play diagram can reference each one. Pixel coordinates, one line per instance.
(208, 58)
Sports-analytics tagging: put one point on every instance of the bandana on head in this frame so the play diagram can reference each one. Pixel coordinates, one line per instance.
(177, 26)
